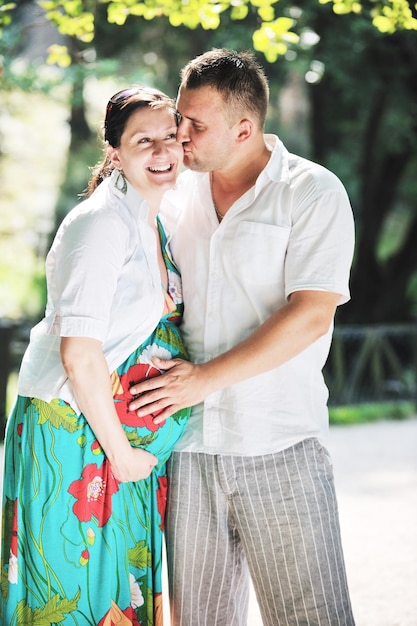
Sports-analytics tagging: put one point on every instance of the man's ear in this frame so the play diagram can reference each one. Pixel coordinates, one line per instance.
(245, 129)
(113, 156)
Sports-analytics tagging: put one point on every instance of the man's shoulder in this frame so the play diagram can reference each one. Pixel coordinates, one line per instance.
(305, 171)
(295, 169)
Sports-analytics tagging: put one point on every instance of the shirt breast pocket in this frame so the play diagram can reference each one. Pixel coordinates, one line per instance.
(259, 252)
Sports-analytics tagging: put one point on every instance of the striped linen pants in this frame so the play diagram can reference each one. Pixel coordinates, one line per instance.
(273, 518)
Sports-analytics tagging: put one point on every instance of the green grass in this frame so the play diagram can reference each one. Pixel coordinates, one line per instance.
(371, 412)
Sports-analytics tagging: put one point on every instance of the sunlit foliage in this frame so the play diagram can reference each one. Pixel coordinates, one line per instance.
(276, 30)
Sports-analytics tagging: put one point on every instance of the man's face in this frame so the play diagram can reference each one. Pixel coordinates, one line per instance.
(205, 130)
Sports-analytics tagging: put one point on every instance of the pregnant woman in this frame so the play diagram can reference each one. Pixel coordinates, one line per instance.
(85, 483)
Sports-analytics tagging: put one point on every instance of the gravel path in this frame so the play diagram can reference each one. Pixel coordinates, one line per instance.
(376, 478)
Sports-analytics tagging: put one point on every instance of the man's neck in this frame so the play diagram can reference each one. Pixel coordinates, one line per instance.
(230, 184)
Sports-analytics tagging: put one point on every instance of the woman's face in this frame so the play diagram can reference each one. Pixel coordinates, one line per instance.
(149, 154)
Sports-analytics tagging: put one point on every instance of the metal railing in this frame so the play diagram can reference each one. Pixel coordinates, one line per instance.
(372, 364)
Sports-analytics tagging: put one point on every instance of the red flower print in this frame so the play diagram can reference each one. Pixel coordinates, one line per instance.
(13, 543)
(117, 617)
(96, 448)
(94, 493)
(84, 558)
(161, 498)
(135, 374)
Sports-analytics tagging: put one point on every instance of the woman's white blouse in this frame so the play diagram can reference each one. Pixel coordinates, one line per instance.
(103, 282)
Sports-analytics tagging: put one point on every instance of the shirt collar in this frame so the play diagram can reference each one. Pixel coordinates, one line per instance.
(277, 169)
(124, 191)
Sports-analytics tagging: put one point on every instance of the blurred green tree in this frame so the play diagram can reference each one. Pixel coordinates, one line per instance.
(364, 127)
(76, 18)
(347, 75)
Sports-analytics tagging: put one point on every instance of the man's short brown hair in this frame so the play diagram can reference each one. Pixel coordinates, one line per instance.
(235, 75)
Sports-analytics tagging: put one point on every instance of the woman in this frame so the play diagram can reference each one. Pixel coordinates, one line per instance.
(85, 482)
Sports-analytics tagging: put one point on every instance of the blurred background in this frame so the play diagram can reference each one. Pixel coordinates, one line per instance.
(343, 94)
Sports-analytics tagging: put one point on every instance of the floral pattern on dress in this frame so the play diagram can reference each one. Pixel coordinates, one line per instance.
(135, 374)
(78, 546)
(93, 493)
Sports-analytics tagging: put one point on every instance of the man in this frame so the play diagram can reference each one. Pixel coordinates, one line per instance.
(264, 243)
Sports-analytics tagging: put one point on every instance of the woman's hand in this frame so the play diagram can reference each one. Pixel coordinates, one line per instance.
(135, 465)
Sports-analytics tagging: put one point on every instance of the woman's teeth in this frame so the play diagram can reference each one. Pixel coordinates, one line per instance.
(162, 168)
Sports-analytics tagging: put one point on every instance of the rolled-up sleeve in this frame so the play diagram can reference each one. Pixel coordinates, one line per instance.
(321, 244)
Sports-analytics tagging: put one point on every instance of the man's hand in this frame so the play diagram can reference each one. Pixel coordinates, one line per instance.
(306, 317)
(183, 384)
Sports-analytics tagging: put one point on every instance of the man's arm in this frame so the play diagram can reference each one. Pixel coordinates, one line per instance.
(290, 330)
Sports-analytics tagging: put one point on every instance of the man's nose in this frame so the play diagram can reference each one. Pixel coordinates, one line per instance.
(182, 131)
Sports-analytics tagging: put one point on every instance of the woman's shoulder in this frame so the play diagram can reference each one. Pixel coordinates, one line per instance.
(98, 214)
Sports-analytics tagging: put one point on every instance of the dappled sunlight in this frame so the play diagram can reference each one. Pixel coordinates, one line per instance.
(34, 141)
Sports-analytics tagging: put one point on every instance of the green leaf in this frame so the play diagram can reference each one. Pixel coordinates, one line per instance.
(137, 441)
(150, 605)
(57, 414)
(4, 582)
(53, 612)
(266, 14)
(140, 556)
(240, 12)
(8, 512)
(58, 55)
(72, 18)
(273, 38)
(180, 415)
(118, 15)
(5, 17)
(383, 24)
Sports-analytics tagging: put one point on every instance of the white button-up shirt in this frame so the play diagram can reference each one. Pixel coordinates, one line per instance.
(292, 231)
(103, 282)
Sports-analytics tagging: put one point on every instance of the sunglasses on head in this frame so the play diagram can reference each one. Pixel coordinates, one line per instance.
(122, 95)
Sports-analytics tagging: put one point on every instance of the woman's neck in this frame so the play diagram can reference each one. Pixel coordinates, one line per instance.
(153, 210)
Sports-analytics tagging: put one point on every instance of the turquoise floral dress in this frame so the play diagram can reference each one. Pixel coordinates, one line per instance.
(80, 547)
